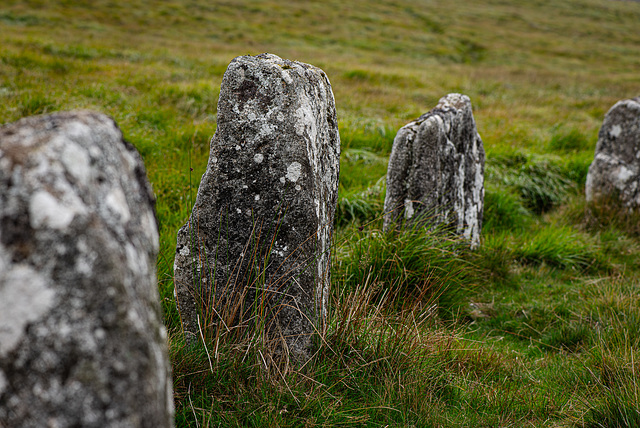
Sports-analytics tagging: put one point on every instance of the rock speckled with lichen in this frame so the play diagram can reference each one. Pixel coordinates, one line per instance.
(615, 171)
(260, 231)
(81, 336)
(436, 171)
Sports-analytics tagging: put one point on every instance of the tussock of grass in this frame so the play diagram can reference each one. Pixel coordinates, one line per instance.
(361, 207)
(503, 210)
(423, 263)
(32, 104)
(540, 183)
(375, 364)
(557, 247)
(553, 246)
(611, 389)
(494, 259)
(372, 135)
(608, 213)
(569, 140)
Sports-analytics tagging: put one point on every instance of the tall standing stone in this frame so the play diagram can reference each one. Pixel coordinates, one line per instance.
(81, 336)
(258, 239)
(615, 171)
(436, 171)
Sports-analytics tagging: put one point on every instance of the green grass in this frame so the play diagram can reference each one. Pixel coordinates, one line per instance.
(538, 327)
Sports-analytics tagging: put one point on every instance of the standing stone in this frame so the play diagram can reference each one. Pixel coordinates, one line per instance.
(81, 337)
(615, 171)
(257, 245)
(436, 171)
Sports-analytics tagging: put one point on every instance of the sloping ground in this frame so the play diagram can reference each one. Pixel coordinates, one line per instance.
(537, 328)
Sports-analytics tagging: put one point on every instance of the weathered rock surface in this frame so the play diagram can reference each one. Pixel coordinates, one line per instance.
(615, 171)
(81, 336)
(260, 230)
(436, 171)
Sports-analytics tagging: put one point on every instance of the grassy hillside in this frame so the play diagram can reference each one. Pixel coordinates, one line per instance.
(539, 327)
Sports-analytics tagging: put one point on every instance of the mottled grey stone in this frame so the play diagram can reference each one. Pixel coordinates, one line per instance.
(436, 171)
(260, 230)
(81, 337)
(615, 171)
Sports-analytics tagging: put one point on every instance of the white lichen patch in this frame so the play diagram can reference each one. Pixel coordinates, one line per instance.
(76, 161)
(287, 78)
(47, 211)
(477, 205)
(616, 130)
(279, 250)
(282, 180)
(136, 261)
(408, 209)
(238, 147)
(258, 158)
(298, 187)
(116, 201)
(78, 131)
(622, 175)
(99, 334)
(84, 266)
(151, 229)
(433, 124)
(461, 199)
(304, 116)
(95, 152)
(24, 299)
(135, 319)
(256, 198)
(266, 129)
(5, 163)
(294, 171)
(129, 162)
